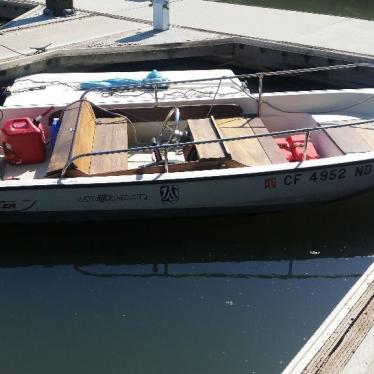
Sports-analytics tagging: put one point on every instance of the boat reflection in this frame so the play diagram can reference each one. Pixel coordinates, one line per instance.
(337, 230)
(167, 274)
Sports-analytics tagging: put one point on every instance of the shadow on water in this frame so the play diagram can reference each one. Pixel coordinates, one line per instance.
(336, 230)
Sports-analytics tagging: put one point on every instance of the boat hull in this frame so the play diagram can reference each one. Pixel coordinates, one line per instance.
(223, 191)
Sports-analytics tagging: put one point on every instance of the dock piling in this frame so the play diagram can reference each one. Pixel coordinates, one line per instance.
(161, 18)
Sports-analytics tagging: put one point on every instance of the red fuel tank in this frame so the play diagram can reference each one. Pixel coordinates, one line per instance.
(23, 142)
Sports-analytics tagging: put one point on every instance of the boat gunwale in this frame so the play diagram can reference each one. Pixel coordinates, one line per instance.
(191, 176)
(259, 75)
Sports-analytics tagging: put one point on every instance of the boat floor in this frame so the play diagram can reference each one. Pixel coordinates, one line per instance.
(27, 171)
(38, 171)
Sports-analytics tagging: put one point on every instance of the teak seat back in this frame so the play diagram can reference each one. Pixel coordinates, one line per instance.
(80, 133)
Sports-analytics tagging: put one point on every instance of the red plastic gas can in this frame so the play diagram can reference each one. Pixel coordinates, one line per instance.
(23, 142)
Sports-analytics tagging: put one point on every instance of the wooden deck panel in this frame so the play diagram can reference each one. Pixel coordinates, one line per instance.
(110, 134)
(249, 152)
(203, 129)
(268, 144)
(349, 139)
(367, 132)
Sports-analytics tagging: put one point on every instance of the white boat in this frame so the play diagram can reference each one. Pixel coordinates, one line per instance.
(198, 146)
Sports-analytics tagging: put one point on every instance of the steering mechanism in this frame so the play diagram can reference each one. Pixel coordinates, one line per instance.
(176, 135)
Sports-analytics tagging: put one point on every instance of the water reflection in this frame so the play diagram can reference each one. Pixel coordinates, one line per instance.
(340, 229)
(237, 294)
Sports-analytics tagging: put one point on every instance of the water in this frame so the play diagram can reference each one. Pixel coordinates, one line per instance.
(237, 294)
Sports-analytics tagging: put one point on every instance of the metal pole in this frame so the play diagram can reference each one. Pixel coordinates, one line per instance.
(156, 95)
(166, 160)
(260, 88)
(305, 145)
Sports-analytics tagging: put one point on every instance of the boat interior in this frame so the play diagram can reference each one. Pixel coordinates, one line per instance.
(103, 136)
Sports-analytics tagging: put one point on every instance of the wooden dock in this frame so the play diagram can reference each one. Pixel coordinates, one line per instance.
(326, 32)
(344, 343)
(122, 32)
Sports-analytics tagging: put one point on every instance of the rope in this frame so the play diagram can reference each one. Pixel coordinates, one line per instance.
(214, 98)
(14, 51)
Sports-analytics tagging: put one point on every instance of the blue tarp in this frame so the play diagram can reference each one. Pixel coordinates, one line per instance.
(153, 77)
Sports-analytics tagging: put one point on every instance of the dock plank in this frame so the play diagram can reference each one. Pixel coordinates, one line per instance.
(346, 339)
(341, 340)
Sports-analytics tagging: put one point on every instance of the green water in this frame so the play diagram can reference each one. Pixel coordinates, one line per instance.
(347, 8)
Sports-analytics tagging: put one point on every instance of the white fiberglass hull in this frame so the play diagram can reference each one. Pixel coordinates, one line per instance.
(252, 189)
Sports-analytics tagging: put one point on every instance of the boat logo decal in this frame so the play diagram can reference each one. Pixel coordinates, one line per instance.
(105, 198)
(16, 206)
(169, 194)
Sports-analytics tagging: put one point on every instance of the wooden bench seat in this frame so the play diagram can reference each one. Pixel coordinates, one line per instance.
(249, 152)
(270, 147)
(353, 139)
(204, 129)
(80, 132)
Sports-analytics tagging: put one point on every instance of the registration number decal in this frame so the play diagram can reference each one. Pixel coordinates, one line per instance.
(318, 176)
